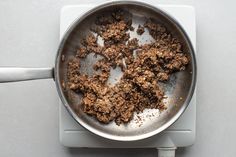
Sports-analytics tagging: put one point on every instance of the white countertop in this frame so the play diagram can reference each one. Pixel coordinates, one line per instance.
(30, 128)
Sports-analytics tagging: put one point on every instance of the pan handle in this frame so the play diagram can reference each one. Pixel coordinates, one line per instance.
(15, 74)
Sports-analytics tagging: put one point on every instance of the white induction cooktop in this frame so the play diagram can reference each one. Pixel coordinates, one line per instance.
(180, 134)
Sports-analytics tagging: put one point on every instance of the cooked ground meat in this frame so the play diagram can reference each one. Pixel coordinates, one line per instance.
(143, 66)
(131, 28)
(140, 30)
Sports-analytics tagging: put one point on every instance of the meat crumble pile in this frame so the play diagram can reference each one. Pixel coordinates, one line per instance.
(143, 67)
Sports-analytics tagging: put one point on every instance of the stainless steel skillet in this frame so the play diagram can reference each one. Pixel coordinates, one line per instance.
(179, 89)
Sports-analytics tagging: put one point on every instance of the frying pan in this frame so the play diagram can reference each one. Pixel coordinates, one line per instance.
(179, 89)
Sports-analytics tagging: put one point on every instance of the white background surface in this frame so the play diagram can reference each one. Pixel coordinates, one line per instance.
(29, 36)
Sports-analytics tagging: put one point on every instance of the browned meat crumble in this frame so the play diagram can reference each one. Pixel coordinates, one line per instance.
(140, 30)
(138, 88)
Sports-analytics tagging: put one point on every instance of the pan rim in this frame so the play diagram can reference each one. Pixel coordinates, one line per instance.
(118, 137)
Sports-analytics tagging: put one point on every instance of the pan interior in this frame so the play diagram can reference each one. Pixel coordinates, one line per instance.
(177, 89)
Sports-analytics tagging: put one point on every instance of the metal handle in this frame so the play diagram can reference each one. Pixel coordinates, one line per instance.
(166, 152)
(14, 74)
